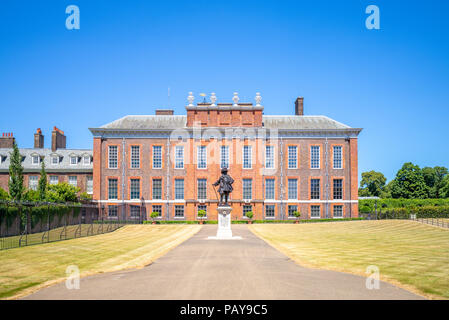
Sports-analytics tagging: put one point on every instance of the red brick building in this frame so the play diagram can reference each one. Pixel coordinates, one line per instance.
(280, 164)
(73, 166)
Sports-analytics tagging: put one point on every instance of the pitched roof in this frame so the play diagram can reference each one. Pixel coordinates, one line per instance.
(62, 166)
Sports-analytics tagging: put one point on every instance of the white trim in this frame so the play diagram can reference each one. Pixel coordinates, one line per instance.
(250, 157)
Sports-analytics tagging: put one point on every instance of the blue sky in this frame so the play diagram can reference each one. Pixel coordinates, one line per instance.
(391, 82)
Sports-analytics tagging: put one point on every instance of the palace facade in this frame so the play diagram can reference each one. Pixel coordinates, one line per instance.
(281, 164)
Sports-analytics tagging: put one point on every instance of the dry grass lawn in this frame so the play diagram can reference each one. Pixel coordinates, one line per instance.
(24, 270)
(412, 255)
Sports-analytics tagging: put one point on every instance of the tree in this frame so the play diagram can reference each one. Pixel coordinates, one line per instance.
(42, 186)
(409, 183)
(372, 184)
(3, 194)
(62, 192)
(444, 191)
(434, 180)
(15, 183)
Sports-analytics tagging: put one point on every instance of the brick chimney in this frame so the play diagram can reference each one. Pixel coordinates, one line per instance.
(164, 112)
(38, 139)
(299, 106)
(7, 140)
(57, 139)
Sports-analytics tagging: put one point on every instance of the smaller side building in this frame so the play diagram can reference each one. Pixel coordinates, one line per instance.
(73, 166)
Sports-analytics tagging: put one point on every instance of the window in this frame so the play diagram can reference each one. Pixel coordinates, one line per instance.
(35, 159)
(135, 189)
(338, 157)
(73, 180)
(179, 157)
(33, 182)
(157, 189)
(202, 159)
(157, 157)
(202, 207)
(112, 211)
(338, 189)
(89, 184)
(202, 194)
(291, 210)
(73, 160)
(112, 189)
(224, 157)
(247, 157)
(314, 189)
(86, 160)
(134, 211)
(315, 212)
(315, 157)
(269, 157)
(247, 208)
(179, 189)
(292, 189)
(54, 179)
(247, 189)
(157, 208)
(338, 211)
(135, 157)
(113, 157)
(179, 211)
(54, 160)
(269, 189)
(269, 211)
(292, 157)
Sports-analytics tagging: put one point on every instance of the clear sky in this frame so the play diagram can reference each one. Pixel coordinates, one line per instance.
(391, 82)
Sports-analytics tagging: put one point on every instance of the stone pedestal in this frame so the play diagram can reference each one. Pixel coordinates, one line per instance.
(224, 231)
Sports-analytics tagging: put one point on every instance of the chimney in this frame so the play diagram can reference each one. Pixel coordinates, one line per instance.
(38, 139)
(7, 140)
(164, 112)
(57, 139)
(299, 106)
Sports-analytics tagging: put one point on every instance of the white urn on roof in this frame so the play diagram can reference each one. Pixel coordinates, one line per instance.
(236, 98)
(190, 98)
(258, 99)
(213, 98)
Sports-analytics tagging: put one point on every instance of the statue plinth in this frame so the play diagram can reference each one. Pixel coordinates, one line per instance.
(224, 231)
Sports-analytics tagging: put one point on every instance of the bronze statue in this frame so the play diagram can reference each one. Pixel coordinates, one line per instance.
(225, 182)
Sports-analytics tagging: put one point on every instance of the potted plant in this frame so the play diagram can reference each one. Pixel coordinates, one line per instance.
(153, 216)
(297, 214)
(201, 215)
(249, 215)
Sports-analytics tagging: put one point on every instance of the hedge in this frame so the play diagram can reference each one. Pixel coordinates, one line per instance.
(246, 221)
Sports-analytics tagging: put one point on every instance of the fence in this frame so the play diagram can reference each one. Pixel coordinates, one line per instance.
(28, 223)
(441, 220)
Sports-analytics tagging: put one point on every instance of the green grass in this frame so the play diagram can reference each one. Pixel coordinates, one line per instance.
(412, 255)
(24, 270)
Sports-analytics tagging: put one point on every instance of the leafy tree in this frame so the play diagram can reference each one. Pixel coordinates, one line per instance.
(3, 194)
(31, 195)
(15, 183)
(62, 192)
(444, 191)
(409, 183)
(372, 184)
(84, 196)
(42, 186)
(434, 180)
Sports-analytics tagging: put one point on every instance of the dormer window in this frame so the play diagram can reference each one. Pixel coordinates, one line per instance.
(54, 160)
(35, 159)
(86, 160)
(73, 160)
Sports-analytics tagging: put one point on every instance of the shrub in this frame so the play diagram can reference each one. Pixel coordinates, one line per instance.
(154, 215)
(249, 215)
(201, 214)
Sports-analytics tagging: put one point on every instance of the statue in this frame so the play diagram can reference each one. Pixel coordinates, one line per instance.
(225, 182)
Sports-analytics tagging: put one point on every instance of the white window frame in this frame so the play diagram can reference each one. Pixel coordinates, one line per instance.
(274, 189)
(86, 163)
(76, 161)
(333, 212)
(198, 188)
(177, 188)
(290, 159)
(247, 154)
(33, 157)
(289, 189)
(312, 160)
(131, 188)
(269, 156)
(52, 177)
(274, 211)
(341, 157)
(183, 212)
(33, 182)
(179, 157)
(76, 181)
(53, 158)
(319, 212)
(135, 157)
(109, 157)
(159, 154)
(246, 186)
(224, 157)
(201, 157)
(90, 181)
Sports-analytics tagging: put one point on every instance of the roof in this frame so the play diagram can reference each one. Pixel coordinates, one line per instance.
(47, 154)
(142, 122)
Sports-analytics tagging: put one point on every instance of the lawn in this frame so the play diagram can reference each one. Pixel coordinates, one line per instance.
(409, 254)
(24, 270)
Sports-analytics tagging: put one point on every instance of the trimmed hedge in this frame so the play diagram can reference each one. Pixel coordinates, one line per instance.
(403, 208)
(402, 203)
(253, 221)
